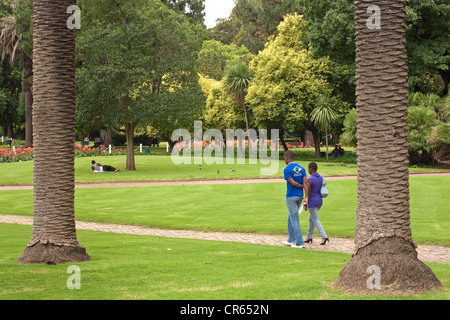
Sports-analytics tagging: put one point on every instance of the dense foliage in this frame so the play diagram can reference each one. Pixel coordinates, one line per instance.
(152, 66)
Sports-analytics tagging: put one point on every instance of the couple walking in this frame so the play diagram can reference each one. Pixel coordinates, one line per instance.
(297, 183)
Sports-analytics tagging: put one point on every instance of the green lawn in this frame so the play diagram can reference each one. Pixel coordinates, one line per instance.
(127, 267)
(161, 168)
(144, 267)
(242, 207)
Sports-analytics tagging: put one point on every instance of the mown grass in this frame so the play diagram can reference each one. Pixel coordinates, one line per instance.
(242, 207)
(162, 168)
(141, 267)
(129, 267)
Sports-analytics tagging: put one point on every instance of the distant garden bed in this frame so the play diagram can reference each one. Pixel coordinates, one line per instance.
(10, 154)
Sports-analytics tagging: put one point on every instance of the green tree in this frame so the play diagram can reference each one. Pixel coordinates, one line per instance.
(288, 82)
(214, 57)
(226, 29)
(421, 121)
(221, 110)
(349, 132)
(324, 115)
(428, 118)
(331, 33)
(428, 123)
(138, 66)
(259, 19)
(194, 9)
(428, 44)
(10, 88)
(16, 41)
(237, 81)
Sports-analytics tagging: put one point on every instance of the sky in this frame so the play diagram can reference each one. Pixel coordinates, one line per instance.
(215, 9)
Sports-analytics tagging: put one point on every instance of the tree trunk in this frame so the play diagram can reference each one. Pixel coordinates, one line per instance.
(316, 138)
(168, 136)
(106, 137)
(28, 72)
(385, 257)
(129, 133)
(326, 140)
(283, 142)
(244, 107)
(445, 75)
(53, 239)
(443, 153)
(10, 131)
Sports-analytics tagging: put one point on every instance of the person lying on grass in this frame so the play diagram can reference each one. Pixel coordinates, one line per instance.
(97, 167)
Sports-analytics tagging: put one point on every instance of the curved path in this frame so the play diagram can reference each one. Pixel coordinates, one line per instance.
(199, 182)
(428, 253)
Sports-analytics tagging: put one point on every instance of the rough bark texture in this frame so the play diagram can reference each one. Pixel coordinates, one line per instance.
(54, 237)
(28, 72)
(383, 234)
(400, 270)
(106, 137)
(129, 134)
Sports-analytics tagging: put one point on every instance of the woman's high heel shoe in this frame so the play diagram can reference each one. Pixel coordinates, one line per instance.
(308, 240)
(324, 241)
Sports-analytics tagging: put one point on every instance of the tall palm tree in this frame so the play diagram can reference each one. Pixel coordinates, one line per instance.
(323, 115)
(385, 254)
(53, 239)
(14, 44)
(237, 80)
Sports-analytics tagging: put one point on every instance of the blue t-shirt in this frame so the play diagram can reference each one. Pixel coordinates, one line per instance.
(297, 172)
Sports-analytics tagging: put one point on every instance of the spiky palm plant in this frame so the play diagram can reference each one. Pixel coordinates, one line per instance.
(236, 82)
(324, 115)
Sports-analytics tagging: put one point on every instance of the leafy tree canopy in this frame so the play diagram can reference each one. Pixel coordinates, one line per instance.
(138, 65)
(136, 57)
(194, 9)
(288, 79)
(428, 42)
(214, 58)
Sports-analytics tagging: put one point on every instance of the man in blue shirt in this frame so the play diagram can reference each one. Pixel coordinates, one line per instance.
(296, 181)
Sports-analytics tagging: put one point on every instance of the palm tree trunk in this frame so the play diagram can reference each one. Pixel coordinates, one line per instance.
(53, 239)
(326, 140)
(244, 107)
(383, 239)
(28, 72)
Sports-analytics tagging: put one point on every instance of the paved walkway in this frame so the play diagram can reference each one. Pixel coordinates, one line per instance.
(428, 253)
(199, 182)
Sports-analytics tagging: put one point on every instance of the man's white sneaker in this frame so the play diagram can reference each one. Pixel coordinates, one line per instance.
(296, 246)
(287, 243)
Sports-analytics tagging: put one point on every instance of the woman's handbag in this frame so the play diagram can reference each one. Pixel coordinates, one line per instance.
(324, 190)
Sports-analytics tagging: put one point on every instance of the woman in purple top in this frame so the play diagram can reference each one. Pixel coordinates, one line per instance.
(314, 204)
